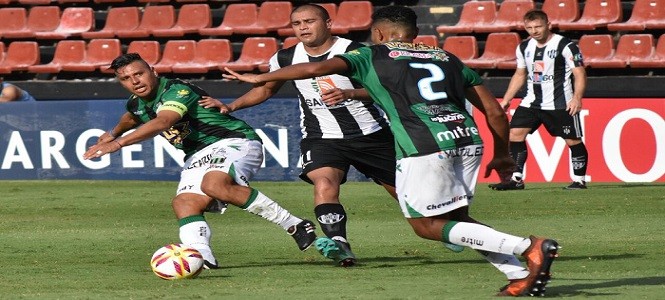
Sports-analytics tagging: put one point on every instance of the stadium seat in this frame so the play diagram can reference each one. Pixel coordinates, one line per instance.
(510, 16)
(596, 13)
(499, 47)
(73, 22)
(191, 18)
(20, 55)
(632, 47)
(176, 52)
(290, 41)
(150, 51)
(352, 16)
(255, 53)
(430, 40)
(656, 18)
(332, 12)
(473, 13)
(596, 48)
(465, 47)
(13, 19)
(153, 1)
(117, 18)
(209, 54)
(561, 11)
(71, 1)
(40, 18)
(109, 1)
(2, 51)
(66, 51)
(34, 2)
(642, 12)
(235, 15)
(154, 17)
(655, 60)
(99, 53)
(272, 15)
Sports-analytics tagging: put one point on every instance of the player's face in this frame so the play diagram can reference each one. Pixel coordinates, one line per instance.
(310, 28)
(538, 29)
(139, 79)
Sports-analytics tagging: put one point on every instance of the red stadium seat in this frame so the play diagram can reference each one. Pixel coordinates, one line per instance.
(20, 55)
(13, 19)
(655, 60)
(656, 18)
(352, 16)
(209, 54)
(191, 18)
(34, 2)
(430, 40)
(633, 47)
(596, 13)
(473, 13)
(596, 49)
(176, 52)
(509, 17)
(271, 16)
(643, 12)
(290, 41)
(235, 15)
(109, 1)
(150, 51)
(40, 18)
(67, 51)
(118, 18)
(2, 51)
(73, 22)
(72, 1)
(465, 47)
(154, 17)
(332, 12)
(499, 47)
(99, 55)
(561, 11)
(255, 53)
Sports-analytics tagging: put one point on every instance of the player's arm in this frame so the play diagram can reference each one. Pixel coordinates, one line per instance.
(334, 65)
(336, 95)
(516, 83)
(127, 121)
(575, 104)
(9, 93)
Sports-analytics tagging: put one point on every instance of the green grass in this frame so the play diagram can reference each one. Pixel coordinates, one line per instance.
(94, 239)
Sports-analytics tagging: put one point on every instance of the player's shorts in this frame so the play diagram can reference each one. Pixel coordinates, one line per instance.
(372, 155)
(437, 183)
(240, 158)
(557, 122)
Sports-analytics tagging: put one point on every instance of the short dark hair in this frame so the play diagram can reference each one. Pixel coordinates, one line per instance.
(400, 15)
(535, 14)
(126, 59)
(322, 11)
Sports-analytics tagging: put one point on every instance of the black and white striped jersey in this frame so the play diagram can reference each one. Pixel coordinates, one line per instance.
(549, 71)
(348, 119)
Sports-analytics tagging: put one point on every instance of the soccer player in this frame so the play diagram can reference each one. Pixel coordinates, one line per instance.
(546, 62)
(222, 153)
(423, 89)
(348, 133)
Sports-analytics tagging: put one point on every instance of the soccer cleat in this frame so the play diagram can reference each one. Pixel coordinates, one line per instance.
(216, 206)
(303, 233)
(576, 185)
(509, 185)
(208, 265)
(337, 251)
(539, 257)
(453, 247)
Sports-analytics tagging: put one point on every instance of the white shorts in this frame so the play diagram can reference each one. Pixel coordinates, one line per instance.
(240, 158)
(437, 183)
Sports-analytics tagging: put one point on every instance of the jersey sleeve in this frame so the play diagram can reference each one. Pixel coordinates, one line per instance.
(359, 62)
(573, 55)
(274, 62)
(471, 77)
(519, 55)
(180, 99)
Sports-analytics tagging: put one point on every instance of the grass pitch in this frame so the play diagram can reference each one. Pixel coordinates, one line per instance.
(94, 240)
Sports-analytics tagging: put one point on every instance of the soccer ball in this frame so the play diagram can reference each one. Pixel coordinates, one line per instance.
(176, 261)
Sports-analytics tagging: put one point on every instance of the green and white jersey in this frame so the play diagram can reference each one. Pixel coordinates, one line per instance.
(199, 127)
(422, 91)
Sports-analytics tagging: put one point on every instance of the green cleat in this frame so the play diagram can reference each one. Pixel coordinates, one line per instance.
(337, 251)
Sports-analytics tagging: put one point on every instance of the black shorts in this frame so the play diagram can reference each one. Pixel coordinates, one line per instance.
(372, 155)
(557, 122)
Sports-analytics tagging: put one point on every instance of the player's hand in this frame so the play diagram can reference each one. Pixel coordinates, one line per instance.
(505, 104)
(208, 102)
(248, 77)
(503, 165)
(333, 96)
(105, 138)
(574, 106)
(102, 149)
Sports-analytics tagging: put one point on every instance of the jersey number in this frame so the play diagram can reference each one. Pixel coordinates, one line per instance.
(425, 84)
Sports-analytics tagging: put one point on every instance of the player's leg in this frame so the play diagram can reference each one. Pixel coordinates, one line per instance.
(523, 122)
(560, 123)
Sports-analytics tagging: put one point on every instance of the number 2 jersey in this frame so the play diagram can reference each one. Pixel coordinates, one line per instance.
(422, 91)
(199, 127)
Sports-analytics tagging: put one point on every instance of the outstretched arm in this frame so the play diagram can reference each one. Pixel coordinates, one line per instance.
(334, 65)
(257, 95)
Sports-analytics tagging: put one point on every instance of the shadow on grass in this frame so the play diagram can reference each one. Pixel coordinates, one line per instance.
(581, 289)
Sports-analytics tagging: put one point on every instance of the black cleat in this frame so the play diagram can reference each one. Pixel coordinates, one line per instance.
(509, 185)
(209, 266)
(303, 233)
(576, 185)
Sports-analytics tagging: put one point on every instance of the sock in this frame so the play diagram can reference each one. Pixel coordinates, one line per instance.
(579, 159)
(519, 153)
(260, 205)
(195, 232)
(507, 264)
(332, 218)
(481, 237)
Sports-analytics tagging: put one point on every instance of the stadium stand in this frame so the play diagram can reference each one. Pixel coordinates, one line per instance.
(597, 49)
(631, 47)
(34, 2)
(191, 18)
(509, 17)
(561, 11)
(596, 14)
(235, 15)
(256, 52)
(272, 15)
(150, 51)
(289, 41)
(473, 13)
(40, 19)
(641, 14)
(67, 51)
(352, 16)
(655, 60)
(208, 55)
(99, 53)
(20, 55)
(117, 19)
(499, 48)
(175, 52)
(154, 17)
(13, 19)
(465, 47)
(430, 40)
(73, 22)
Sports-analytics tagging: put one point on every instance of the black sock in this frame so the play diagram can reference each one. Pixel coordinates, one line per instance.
(519, 153)
(579, 158)
(332, 218)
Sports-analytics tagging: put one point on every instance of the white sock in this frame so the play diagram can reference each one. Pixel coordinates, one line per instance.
(197, 235)
(517, 176)
(260, 205)
(481, 237)
(506, 263)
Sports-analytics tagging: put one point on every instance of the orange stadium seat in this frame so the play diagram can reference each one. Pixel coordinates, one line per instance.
(596, 48)
(561, 11)
(352, 16)
(465, 47)
(66, 51)
(271, 16)
(40, 18)
(596, 13)
(255, 53)
(191, 18)
(473, 13)
(509, 17)
(150, 51)
(20, 55)
(332, 12)
(655, 60)
(642, 12)
(34, 2)
(209, 54)
(631, 47)
(154, 17)
(176, 52)
(235, 15)
(290, 41)
(430, 40)
(118, 18)
(13, 19)
(499, 47)
(656, 18)
(99, 53)
(73, 22)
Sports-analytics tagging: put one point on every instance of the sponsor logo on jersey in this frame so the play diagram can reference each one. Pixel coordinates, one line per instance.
(539, 66)
(435, 55)
(451, 117)
(436, 109)
(458, 132)
(325, 83)
(552, 53)
(446, 203)
(182, 93)
(466, 152)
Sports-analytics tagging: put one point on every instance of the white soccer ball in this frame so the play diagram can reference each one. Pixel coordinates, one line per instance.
(176, 261)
